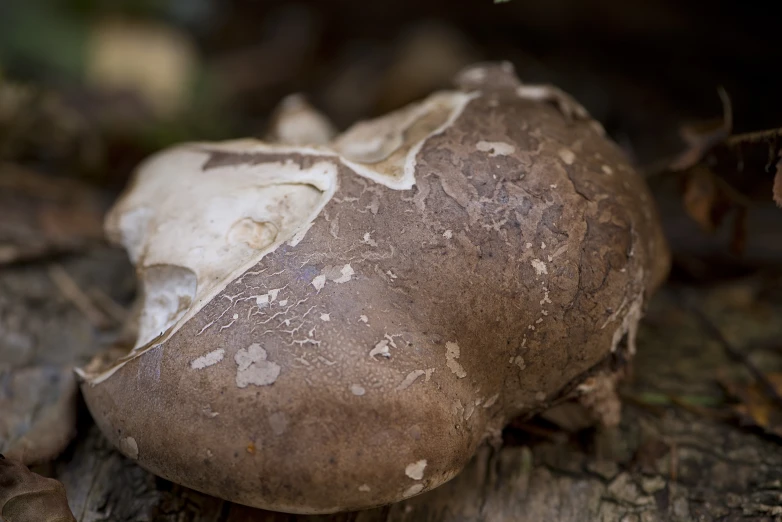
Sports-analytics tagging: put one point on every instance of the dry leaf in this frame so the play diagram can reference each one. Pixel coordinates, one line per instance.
(757, 407)
(729, 158)
(701, 197)
(39, 412)
(28, 497)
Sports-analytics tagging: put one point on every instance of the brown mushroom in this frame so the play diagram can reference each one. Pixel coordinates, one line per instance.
(339, 326)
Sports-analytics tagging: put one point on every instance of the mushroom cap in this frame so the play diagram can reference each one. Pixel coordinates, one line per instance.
(337, 327)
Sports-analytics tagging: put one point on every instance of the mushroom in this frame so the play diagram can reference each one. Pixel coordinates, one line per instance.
(340, 325)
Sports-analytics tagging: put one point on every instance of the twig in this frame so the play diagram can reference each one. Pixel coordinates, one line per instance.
(736, 354)
(113, 309)
(754, 137)
(71, 291)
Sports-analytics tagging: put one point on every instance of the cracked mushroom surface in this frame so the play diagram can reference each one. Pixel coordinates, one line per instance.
(336, 326)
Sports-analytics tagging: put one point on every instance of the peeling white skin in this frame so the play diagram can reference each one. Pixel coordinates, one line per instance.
(413, 490)
(253, 368)
(416, 470)
(207, 360)
(212, 225)
(129, 447)
(382, 139)
(452, 353)
(298, 236)
(539, 266)
(167, 292)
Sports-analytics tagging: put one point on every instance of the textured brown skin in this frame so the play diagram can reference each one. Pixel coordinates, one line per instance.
(478, 289)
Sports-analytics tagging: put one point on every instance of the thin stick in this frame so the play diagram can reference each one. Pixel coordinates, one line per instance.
(113, 309)
(71, 291)
(754, 137)
(737, 355)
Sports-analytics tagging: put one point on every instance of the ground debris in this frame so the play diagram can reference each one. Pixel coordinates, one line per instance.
(756, 407)
(43, 215)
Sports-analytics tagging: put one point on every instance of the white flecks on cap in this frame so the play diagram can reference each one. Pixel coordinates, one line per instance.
(413, 490)
(452, 353)
(209, 359)
(347, 273)
(410, 379)
(319, 282)
(567, 156)
(416, 470)
(496, 148)
(381, 349)
(491, 400)
(539, 266)
(253, 368)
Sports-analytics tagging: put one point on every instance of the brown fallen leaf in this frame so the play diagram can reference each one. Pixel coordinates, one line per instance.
(39, 412)
(756, 406)
(702, 198)
(28, 497)
(709, 200)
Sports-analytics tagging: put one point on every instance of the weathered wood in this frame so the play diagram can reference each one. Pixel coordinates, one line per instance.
(663, 463)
